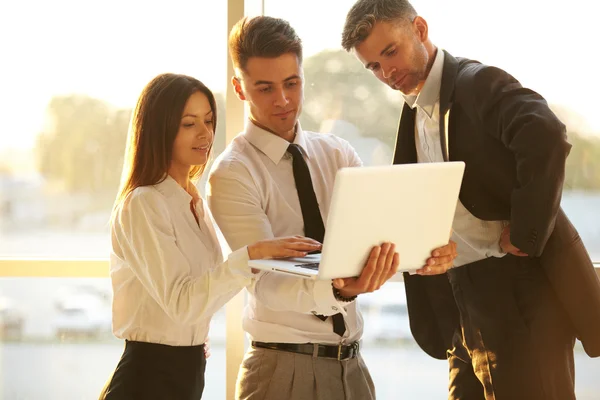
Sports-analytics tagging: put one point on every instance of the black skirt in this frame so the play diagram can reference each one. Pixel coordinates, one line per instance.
(150, 371)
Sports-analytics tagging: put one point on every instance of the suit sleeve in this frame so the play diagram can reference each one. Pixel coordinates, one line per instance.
(522, 121)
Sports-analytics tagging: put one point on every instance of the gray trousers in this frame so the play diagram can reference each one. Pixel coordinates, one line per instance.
(275, 375)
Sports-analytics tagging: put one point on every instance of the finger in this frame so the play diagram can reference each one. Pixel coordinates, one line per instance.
(518, 252)
(515, 251)
(367, 273)
(435, 270)
(425, 270)
(390, 256)
(443, 251)
(381, 269)
(338, 283)
(341, 283)
(302, 239)
(282, 253)
(395, 265)
(302, 246)
(306, 239)
(440, 269)
(440, 260)
(390, 269)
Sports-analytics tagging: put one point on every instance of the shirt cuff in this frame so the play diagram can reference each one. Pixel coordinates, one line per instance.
(326, 303)
(238, 263)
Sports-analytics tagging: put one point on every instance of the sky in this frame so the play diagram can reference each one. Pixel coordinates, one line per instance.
(111, 49)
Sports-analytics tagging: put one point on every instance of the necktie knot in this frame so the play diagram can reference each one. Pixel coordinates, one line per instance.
(294, 150)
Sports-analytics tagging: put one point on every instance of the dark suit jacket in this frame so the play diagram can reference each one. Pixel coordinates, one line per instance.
(515, 150)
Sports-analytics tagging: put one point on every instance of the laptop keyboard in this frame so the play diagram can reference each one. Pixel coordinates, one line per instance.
(313, 266)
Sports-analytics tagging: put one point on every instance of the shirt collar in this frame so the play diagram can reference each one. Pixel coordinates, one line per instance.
(272, 145)
(172, 190)
(430, 93)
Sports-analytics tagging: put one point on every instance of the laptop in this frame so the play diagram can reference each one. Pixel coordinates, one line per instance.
(411, 205)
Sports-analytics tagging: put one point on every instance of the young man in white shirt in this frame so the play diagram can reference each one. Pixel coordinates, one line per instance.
(304, 333)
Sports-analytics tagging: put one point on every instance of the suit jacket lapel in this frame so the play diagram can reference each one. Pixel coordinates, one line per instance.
(447, 89)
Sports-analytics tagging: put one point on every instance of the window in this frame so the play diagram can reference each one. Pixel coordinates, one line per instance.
(71, 76)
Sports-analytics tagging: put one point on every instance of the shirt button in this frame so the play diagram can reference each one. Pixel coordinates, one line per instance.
(334, 308)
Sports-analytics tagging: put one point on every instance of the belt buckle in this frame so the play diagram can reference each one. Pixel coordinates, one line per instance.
(339, 354)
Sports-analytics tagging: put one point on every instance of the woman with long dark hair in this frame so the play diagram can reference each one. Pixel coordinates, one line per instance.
(166, 265)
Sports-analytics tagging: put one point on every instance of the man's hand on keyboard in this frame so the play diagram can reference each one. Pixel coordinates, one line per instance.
(382, 264)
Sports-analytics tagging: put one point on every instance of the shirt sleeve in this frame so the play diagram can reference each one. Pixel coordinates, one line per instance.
(236, 206)
(352, 159)
(145, 235)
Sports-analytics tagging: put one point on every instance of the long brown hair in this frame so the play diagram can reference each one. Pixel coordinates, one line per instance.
(153, 128)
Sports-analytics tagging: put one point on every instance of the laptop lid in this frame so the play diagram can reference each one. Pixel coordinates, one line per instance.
(411, 205)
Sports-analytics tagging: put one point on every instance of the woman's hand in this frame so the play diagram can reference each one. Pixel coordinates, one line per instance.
(292, 246)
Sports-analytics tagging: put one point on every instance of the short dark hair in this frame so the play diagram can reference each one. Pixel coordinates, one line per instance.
(365, 13)
(262, 37)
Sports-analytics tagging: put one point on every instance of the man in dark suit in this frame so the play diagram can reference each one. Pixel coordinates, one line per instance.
(523, 287)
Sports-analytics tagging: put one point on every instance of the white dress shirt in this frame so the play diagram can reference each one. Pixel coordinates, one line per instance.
(252, 194)
(475, 239)
(167, 270)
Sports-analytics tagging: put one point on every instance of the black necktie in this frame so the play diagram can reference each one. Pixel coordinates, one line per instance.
(313, 223)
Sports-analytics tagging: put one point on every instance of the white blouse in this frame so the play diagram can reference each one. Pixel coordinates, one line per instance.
(167, 270)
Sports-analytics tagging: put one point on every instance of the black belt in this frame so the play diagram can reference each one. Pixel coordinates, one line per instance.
(340, 352)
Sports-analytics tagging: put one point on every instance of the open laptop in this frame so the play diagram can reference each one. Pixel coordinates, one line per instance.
(411, 205)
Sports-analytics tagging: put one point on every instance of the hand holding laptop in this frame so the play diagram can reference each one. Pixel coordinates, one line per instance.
(441, 260)
(381, 265)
